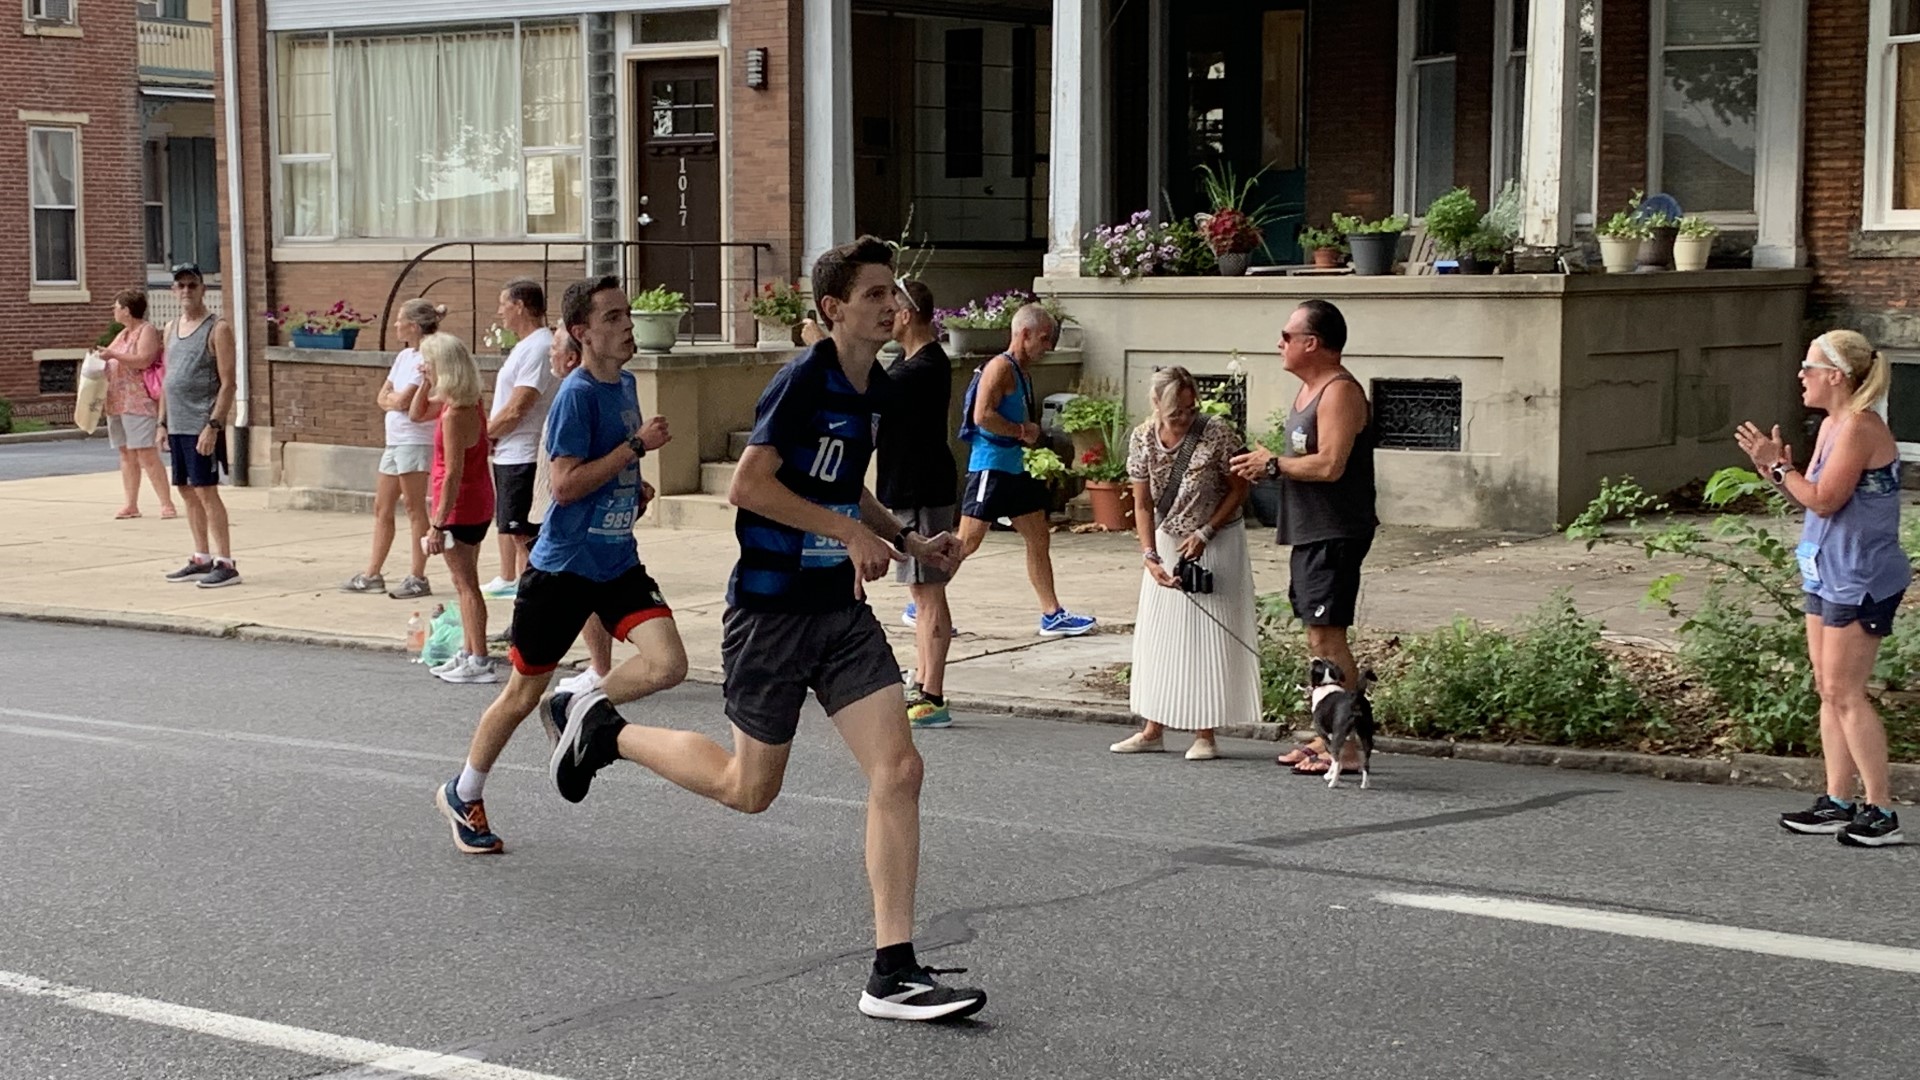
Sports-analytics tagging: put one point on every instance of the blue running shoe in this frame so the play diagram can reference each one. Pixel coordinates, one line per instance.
(1064, 623)
(469, 821)
(911, 617)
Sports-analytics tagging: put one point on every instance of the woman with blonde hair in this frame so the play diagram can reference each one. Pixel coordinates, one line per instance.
(405, 461)
(133, 411)
(1852, 569)
(1193, 662)
(461, 496)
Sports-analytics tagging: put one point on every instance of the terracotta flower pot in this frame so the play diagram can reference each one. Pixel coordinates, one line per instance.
(1112, 502)
(1326, 258)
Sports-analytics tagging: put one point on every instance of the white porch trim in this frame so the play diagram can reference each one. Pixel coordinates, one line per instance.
(1076, 137)
(828, 159)
(1550, 123)
(1778, 153)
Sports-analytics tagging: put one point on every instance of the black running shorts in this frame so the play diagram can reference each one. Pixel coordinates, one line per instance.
(991, 495)
(513, 499)
(772, 659)
(1325, 583)
(551, 607)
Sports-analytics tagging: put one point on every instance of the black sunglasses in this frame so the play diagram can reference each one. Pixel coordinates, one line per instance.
(1287, 336)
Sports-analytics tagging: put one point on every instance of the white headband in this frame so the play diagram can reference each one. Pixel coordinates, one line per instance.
(1833, 355)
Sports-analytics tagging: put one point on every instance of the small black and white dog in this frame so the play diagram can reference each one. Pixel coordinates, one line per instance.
(1340, 714)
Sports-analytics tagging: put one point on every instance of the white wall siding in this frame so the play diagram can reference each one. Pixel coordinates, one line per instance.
(334, 15)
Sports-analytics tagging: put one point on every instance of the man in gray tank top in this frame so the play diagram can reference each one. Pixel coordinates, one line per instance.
(200, 384)
(1326, 481)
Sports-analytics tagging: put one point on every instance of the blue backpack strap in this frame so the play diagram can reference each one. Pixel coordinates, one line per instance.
(970, 431)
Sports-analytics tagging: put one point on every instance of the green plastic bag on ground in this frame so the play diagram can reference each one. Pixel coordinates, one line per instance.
(444, 637)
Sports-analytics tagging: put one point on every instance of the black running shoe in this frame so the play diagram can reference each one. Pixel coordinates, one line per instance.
(193, 571)
(553, 717)
(1826, 816)
(1873, 826)
(588, 743)
(915, 994)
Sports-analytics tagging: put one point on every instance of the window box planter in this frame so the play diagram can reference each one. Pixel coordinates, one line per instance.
(343, 339)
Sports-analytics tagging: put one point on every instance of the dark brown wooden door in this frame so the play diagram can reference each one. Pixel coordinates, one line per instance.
(677, 114)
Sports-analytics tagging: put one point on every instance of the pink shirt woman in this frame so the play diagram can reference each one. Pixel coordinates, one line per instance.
(133, 415)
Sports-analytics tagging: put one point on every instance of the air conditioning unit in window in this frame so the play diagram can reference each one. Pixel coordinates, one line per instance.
(50, 11)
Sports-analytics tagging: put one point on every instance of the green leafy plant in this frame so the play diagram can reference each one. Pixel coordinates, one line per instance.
(106, 336)
(500, 338)
(1353, 226)
(1625, 224)
(1275, 437)
(659, 300)
(1697, 228)
(1452, 220)
(1192, 254)
(6, 416)
(341, 316)
(1312, 239)
(1043, 464)
(1235, 224)
(1091, 412)
(779, 303)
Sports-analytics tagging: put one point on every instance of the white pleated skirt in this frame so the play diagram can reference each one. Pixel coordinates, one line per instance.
(1188, 672)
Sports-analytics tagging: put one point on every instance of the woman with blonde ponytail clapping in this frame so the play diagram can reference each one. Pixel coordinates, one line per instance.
(1852, 569)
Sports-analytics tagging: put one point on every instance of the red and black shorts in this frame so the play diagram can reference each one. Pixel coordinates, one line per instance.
(552, 607)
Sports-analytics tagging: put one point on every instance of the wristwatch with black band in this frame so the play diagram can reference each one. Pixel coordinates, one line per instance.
(1273, 467)
(900, 538)
(638, 446)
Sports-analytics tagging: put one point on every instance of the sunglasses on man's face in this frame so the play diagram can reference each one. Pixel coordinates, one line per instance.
(1287, 337)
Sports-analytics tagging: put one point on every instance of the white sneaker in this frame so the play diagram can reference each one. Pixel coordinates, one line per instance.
(587, 681)
(457, 660)
(1202, 750)
(499, 589)
(477, 669)
(1138, 743)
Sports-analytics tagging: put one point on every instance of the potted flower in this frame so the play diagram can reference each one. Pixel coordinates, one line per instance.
(1326, 245)
(1094, 421)
(1659, 230)
(656, 318)
(1620, 237)
(1695, 241)
(1234, 229)
(982, 326)
(1374, 243)
(780, 309)
(1108, 490)
(1452, 219)
(338, 327)
(500, 339)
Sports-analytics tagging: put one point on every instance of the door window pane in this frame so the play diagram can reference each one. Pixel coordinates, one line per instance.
(1433, 150)
(1708, 104)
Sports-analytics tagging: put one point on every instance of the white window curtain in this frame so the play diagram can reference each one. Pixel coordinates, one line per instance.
(52, 166)
(471, 134)
(1709, 101)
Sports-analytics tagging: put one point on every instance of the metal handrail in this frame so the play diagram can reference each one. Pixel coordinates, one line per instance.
(628, 249)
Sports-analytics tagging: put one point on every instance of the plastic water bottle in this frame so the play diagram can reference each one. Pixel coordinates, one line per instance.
(416, 634)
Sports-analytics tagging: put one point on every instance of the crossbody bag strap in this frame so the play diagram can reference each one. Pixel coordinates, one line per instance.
(1181, 457)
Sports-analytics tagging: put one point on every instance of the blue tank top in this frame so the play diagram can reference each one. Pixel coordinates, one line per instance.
(1855, 553)
(996, 452)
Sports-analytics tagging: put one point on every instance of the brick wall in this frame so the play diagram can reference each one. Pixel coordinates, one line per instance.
(1353, 69)
(765, 135)
(1862, 282)
(1622, 163)
(328, 403)
(91, 74)
(1476, 40)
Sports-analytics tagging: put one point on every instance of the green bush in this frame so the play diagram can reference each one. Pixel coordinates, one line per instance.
(1452, 220)
(1550, 680)
(106, 336)
(6, 416)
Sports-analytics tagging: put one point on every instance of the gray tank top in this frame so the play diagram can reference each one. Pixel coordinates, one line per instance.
(1855, 553)
(1316, 510)
(193, 377)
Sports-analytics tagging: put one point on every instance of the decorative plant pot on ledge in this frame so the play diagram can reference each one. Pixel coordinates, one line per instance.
(1326, 258)
(966, 341)
(1112, 504)
(1690, 252)
(656, 331)
(1233, 263)
(1656, 251)
(779, 334)
(1617, 253)
(1373, 252)
(342, 340)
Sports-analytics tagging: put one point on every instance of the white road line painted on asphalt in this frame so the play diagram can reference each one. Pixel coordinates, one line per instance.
(20, 729)
(1678, 931)
(401, 1060)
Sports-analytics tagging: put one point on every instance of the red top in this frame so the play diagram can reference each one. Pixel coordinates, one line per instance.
(473, 503)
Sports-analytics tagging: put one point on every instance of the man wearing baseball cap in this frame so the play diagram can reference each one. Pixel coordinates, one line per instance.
(200, 383)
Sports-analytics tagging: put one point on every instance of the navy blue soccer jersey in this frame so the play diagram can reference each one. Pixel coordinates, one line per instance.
(823, 429)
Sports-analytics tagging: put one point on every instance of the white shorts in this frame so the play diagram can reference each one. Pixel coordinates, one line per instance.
(411, 458)
(131, 431)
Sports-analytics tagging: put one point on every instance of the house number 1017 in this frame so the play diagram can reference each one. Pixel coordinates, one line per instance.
(682, 181)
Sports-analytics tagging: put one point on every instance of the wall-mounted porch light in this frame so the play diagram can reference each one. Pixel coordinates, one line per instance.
(757, 69)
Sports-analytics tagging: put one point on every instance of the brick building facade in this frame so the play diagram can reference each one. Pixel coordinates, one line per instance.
(70, 166)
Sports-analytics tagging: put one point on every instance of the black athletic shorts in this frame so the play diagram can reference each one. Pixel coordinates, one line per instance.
(1325, 585)
(771, 660)
(551, 607)
(1874, 616)
(513, 499)
(470, 535)
(992, 494)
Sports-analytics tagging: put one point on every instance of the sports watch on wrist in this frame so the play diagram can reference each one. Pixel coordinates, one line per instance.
(638, 446)
(900, 538)
(1273, 467)
(1779, 472)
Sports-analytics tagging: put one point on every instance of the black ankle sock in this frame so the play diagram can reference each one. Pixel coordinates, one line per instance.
(935, 698)
(891, 958)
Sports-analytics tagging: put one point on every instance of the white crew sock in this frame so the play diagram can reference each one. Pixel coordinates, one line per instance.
(471, 784)
(201, 556)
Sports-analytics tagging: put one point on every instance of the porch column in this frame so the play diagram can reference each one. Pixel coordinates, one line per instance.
(1779, 152)
(1076, 134)
(828, 162)
(1549, 125)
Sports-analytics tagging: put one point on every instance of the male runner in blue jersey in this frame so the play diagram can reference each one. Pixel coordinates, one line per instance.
(797, 620)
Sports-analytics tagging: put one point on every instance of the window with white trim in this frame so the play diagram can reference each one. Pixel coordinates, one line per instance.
(1892, 197)
(1706, 105)
(53, 180)
(1510, 111)
(493, 119)
(50, 12)
(153, 190)
(1428, 79)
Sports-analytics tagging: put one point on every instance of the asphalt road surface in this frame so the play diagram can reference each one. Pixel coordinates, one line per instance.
(220, 860)
(65, 457)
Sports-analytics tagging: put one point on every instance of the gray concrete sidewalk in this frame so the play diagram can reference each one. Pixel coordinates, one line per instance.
(71, 559)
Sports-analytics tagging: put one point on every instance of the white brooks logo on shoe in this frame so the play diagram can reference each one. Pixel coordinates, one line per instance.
(910, 990)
